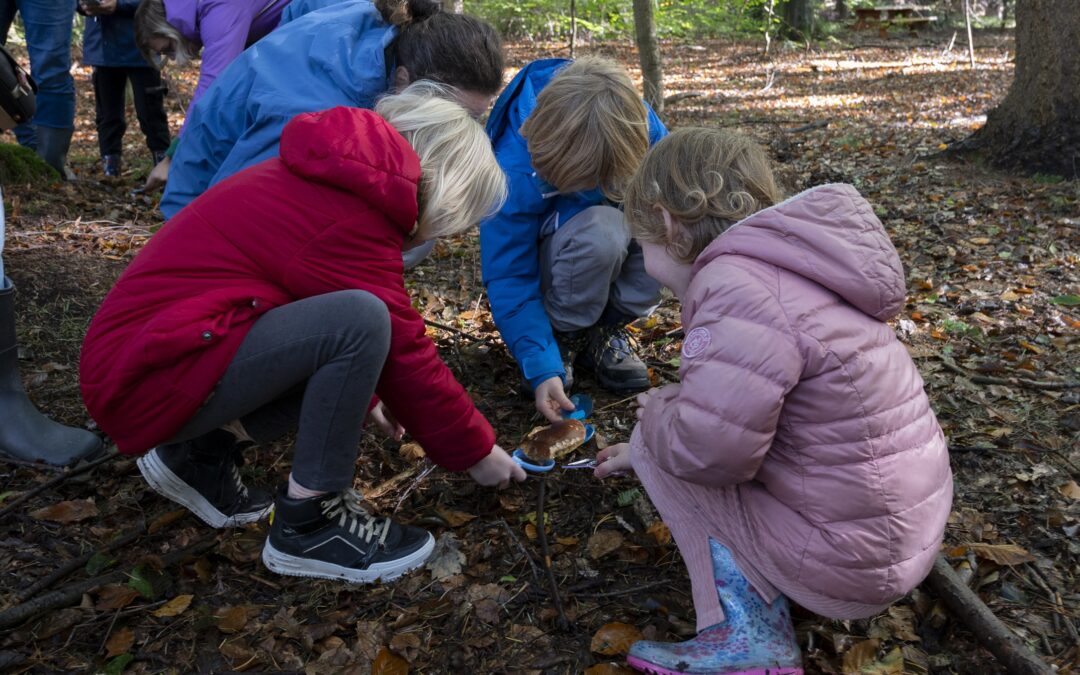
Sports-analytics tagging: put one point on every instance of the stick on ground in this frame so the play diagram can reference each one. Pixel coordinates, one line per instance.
(987, 628)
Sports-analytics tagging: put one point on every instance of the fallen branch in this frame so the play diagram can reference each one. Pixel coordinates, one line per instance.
(820, 124)
(456, 331)
(78, 563)
(987, 628)
(30, 494)
(1008, 381)
(681, 96)
(73, 592)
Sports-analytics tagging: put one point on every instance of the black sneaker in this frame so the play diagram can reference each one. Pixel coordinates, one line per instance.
(202, 475)
(610, 356)
(334, 537)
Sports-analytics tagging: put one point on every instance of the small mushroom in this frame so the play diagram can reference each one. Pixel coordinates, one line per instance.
(545, 443)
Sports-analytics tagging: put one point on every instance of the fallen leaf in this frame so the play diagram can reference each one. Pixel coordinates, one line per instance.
(455, 518)
(860, 655)
(660, 532)
(614, 638)
(389, 663)
(603, 543)
(115, 596)
(608, 669)
(231, 619)
(567, 541)
(174, 607)
(166, 519)
(119, 642)
(412, 452)
(1002, 554)
(67, 512)
(1070, 490)
(447, 559)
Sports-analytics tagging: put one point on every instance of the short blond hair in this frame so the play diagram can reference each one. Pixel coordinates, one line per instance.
(589, 128)
(708, 179)
(461, 182)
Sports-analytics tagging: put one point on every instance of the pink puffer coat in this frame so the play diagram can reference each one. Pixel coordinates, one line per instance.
(795, 390)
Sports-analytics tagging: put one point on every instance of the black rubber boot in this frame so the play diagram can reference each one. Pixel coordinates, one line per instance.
(24, 432)
(52, 146)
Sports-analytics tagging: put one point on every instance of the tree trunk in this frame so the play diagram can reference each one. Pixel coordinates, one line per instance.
(798, 19)
(1037, 127)
(841, 10)
(652, 73)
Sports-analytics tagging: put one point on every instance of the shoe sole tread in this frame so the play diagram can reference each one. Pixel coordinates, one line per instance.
(296, 566)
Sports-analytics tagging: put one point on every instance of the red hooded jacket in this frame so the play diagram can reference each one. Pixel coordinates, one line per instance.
(331, 213)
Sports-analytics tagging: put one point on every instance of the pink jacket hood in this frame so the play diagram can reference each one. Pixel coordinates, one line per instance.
(830, 235)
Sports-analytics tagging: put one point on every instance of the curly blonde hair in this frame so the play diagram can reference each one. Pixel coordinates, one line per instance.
(589, 128)
(461, 182)
(707, 179)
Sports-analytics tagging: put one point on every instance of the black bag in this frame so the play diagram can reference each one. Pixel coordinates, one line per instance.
(17, 91)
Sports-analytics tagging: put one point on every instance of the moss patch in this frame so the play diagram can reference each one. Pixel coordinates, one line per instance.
(19, 165)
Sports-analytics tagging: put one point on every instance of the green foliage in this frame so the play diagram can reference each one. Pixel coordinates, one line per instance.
(19, 165)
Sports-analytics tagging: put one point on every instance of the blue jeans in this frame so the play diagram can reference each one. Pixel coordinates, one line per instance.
(48, 26)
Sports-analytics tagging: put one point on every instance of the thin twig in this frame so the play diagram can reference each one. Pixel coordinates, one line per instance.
(563, 623)
(521, 547)
(30, 494)
(1007, 381)
(629, 398)
(456, 331)
(625, 591)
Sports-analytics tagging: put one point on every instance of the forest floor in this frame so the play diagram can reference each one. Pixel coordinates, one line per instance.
(992, 322)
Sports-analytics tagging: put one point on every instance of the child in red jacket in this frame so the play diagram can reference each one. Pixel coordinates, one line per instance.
(277, 299)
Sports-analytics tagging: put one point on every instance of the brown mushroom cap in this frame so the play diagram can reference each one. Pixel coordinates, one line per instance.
(545, 443)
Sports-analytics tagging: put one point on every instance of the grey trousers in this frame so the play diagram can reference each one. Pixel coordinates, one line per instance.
(590, 268)
(312, 364)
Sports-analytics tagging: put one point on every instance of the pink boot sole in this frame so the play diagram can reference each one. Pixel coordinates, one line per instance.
(646, 667)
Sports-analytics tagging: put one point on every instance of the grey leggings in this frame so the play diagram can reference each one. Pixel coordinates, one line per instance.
(312, 364)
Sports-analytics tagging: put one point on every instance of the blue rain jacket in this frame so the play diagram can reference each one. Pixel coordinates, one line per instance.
(110, 40)
(510, 240)
(330, 57)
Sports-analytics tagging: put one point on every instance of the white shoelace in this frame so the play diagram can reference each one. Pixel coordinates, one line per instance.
(347, 508)
(240, 487)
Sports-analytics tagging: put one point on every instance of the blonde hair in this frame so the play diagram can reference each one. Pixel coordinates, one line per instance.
(589, 129)
(461, 183)
(151, 22)
(708, 179)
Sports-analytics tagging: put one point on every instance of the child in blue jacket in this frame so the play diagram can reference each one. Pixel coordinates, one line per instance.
(562, 274)
(109, 46)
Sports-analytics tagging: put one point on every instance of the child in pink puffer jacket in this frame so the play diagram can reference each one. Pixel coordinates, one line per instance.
(798, 457)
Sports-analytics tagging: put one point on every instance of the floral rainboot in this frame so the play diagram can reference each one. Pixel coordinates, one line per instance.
(755, 638)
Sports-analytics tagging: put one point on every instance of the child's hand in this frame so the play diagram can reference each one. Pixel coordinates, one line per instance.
(551, 399)
(614, 459)
(382, 418)
(497, 469)
(158, 176)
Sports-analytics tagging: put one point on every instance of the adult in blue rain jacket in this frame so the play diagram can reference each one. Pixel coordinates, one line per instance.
(347, 54)
(562, 275)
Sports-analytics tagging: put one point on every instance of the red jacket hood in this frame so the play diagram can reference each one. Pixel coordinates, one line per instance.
(356, 150)
(829, 235)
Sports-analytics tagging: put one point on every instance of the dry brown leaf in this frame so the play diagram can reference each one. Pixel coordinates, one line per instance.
(614, 638)
(174, 607)
(660, 532)
(567, 541)
(412, 452)
(604, 542)
(67, 512)
(231, 619)
(115, 596)
(119, 642)
(860, 655)
(455, 518)
(236, 652)
(389, 663)
(165, 519)
(1002, 554)
(1070, 490)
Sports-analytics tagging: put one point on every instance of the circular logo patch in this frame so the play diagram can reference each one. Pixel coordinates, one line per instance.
(696, 342)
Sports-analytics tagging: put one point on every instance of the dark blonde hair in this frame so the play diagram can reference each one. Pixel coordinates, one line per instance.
(589, 129)
(151, 22)
(708, 179)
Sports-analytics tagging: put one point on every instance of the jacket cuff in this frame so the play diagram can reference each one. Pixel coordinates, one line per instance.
(542, 366)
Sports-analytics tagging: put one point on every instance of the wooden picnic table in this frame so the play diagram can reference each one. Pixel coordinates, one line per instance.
(911, 16)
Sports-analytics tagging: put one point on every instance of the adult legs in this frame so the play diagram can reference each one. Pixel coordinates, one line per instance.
(109, 90)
